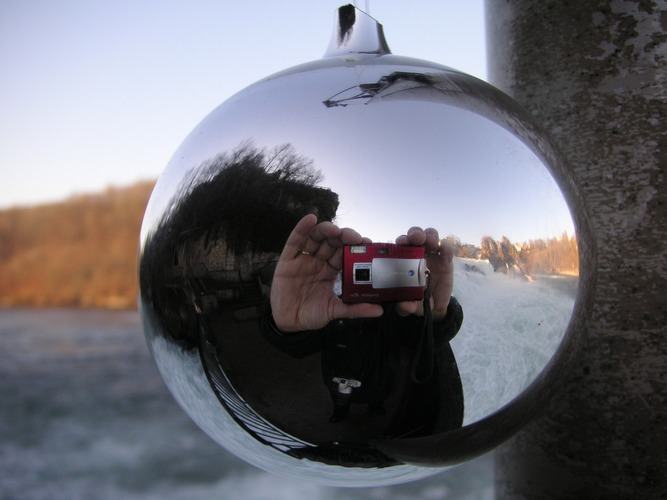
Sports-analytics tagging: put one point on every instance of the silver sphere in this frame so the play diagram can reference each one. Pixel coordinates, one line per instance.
(379, 143)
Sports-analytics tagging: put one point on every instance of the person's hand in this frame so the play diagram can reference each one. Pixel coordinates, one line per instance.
(439, 256)
(302, 292)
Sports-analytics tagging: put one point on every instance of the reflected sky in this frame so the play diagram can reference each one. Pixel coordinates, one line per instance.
(395, 162)
(460, 173)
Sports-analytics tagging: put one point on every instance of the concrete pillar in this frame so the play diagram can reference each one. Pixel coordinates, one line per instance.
(594, 73)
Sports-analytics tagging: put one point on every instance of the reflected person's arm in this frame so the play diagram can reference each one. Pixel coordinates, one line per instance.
(295, 344)
(302, 292)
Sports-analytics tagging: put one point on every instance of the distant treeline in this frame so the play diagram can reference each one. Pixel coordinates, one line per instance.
(551, 256)
(81, 252)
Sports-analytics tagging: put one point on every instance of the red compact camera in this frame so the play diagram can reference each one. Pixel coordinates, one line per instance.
(383, 272)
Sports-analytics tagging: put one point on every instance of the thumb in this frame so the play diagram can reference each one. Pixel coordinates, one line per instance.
(342, 310)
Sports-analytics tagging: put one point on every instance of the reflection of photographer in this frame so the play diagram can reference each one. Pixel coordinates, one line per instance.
(361, 343)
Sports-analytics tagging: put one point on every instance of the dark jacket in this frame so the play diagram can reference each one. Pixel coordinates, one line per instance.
(370, 350)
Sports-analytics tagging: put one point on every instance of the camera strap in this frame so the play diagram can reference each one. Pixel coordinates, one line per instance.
(423, 356)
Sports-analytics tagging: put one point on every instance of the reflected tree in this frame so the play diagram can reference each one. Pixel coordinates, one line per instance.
(251, 197)
(229, 219)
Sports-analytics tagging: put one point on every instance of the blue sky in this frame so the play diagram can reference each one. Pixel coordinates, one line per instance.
(101, 93)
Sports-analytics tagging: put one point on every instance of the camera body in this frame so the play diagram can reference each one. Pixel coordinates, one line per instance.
(383, 272)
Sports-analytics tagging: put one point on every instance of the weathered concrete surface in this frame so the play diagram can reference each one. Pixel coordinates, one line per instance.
(594, 73)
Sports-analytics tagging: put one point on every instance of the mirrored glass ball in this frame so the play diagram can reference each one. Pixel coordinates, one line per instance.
(378, 143)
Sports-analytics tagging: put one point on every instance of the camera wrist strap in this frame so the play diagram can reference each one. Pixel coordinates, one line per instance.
(422, 360)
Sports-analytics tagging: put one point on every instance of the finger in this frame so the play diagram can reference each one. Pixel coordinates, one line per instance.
(447, 250)
(321, 241)
(443, 249)
(330, 249)
(432, 239)
(350, 237)
(334, 261)
(416, 236)
(328, 238)
(342, 310)
(298, 235)
(325, 231)
(324, 236)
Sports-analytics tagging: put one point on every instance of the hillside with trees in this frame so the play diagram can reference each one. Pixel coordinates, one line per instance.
(77, 253)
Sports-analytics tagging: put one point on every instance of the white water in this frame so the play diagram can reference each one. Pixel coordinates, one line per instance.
(512, 327)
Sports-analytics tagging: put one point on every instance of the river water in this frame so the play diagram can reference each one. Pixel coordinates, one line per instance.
(84, 414)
